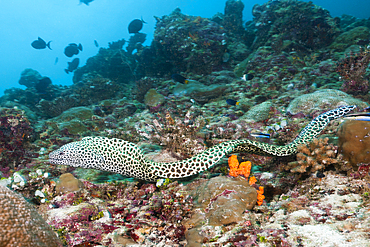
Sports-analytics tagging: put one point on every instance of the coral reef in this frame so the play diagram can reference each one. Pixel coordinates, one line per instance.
(351, 37)
(189, 43)
(42, 85)
(68, 183)
(153, 99)
(136, 42)
(29, 78)
(293, 24)
(57, 106)
(284, 67)
(113, 64)
(233, 17)
(222, 199)
(142, 87)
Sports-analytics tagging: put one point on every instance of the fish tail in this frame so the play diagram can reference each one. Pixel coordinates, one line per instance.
(186, 81)
(66, 70)
(48, 45)
(237, 103)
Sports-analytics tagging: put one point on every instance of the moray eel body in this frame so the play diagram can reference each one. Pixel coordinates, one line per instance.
(126, 158)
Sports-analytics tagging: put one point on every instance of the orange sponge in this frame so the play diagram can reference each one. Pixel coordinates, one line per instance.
(245, 168)
(233, 165)
(260, 196)
(235, 169)
(252, 180)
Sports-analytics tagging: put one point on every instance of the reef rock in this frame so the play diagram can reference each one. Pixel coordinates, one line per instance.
(351, 37)
(225, 199)
(153, 98)
(29, 78)
(259, 112)
(322, 100)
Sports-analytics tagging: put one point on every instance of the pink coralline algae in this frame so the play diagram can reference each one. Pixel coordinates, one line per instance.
(144, 215)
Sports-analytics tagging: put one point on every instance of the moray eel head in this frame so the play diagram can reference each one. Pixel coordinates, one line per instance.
(77, 155)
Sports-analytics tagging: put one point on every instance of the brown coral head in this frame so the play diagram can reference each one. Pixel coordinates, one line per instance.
(354, 141)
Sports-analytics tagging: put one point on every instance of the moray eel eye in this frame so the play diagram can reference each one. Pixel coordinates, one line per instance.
(61, 153)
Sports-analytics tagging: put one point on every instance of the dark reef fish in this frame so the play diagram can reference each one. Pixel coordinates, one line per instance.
(72, 65)
(96, 43)
(180, 78)
(56, 60)
(72, 49)
(43, 84)
(86, 1)
(247, 77)
(136, 25)
(320, 174)
(232, 102)
(40, 44)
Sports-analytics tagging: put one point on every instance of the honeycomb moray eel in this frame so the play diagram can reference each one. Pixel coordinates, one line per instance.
(126, 158)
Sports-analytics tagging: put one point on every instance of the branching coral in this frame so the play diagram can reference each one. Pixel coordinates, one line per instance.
(314, 157)
(177, 136)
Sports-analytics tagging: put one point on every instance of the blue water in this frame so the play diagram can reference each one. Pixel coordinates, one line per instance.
(67, 21)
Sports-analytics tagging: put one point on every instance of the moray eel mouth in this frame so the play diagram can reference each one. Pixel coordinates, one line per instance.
(126, 158)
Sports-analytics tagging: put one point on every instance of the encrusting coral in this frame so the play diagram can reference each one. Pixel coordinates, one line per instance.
(21, 225)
